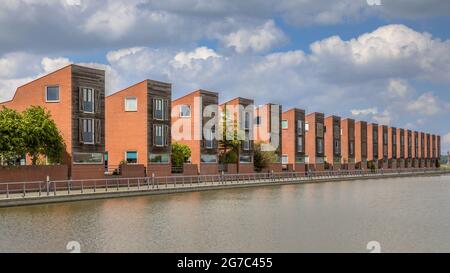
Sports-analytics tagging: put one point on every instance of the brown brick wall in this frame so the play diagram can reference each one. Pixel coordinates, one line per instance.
(127, 131)
(33, 173)
(246, 168)
(190, 169)
(159, 170)
(88, 172)
(33, 93)
(132, 170)
(209, 169)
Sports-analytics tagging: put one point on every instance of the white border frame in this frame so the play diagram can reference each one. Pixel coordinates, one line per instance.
(59, 94)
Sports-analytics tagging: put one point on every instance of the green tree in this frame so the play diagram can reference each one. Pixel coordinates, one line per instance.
(11, 135)
(41, 136)
(231, 142)
(262, 159)
(180, 154)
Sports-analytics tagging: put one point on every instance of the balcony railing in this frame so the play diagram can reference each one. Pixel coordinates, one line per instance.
(20, 190)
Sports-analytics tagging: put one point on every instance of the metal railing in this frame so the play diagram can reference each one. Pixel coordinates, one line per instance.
(71, 187)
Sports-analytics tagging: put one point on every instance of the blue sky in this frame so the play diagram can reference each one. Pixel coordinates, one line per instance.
(388, 64)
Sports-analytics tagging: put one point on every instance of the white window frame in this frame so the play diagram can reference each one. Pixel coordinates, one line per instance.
(90, 163)
(247, 126)
(181, 112)
(284, 159)
(137, 156)
(300, 130)
(87, 89)
(300, 144)
(161, 128)
(93, 130)
(246, 146)
(284, 121)
(209, 139)
(157, 102)
(306, 126)
(126, 105)
(59, 94)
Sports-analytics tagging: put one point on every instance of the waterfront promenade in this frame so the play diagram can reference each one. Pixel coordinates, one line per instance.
(30, 193)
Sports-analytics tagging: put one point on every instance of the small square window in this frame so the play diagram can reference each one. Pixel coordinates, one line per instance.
(284, 124)
(131, 157)
(185, 111)
(130, 104)
(52, 94)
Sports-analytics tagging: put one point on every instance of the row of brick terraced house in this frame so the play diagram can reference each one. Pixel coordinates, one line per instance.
(137, 126)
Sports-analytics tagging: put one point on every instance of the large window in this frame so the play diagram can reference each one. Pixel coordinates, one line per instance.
(87, 131)
(52, 94)
(246, 120)
(320, 146)
(131, 104)
(245, 159)
(185, 111)
(88, 100)
(131, 157)
(160, 135)
(300, 127)
(159, 158)
(87, 158)
(320, 130)
(300, 144)
(161, 109)
(209, 138)
(337, 147)
(208, 158)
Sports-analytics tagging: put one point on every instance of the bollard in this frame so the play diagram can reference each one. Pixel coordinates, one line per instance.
(48, 185)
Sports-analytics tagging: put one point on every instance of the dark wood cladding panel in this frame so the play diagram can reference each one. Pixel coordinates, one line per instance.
(89, 78)
(157, 90)
(210, 98)
(300, 115)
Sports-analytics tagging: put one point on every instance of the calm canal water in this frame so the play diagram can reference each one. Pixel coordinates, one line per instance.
(403, 215)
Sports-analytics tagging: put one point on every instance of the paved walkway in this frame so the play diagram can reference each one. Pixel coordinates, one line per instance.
(146, 188)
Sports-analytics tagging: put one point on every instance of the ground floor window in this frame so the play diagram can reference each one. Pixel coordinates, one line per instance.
(245, 159)
(299, 159)
(159, 158)
(131, 157)
(208, 158)
(284, 159)
(88, 158)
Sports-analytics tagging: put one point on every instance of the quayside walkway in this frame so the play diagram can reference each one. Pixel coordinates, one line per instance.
(42, 192)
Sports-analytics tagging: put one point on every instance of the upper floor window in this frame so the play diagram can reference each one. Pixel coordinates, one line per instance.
(160, 135)
(131, 104)
(258, 121)
(52, 94)
(306, 126)
(300, 127)
(337, 147)
(246, 120)
(209, 138)
(185, 111)
(320, 146)
(161, 109)
(300, 144)
(88, 100)
(284, 124)
(320, 130)
(88, 129)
